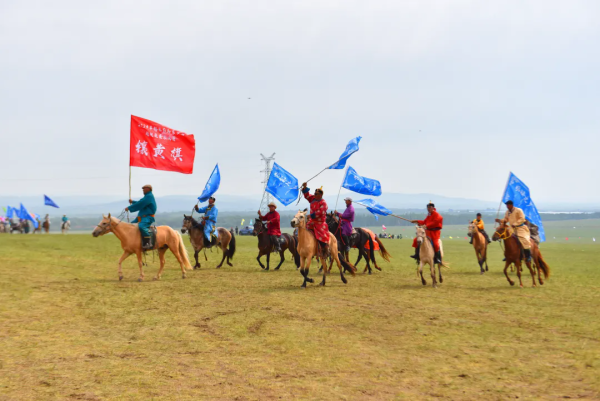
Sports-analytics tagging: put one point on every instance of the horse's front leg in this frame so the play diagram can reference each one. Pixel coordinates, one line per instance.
(197, 265)
(421, 272)
(440, 273)
(506, 265)
(260, 255)
(325, 270)
(268, 260)
(366, 256)
(139, 258)
(433, 278)
(121, 259)
(305, 266)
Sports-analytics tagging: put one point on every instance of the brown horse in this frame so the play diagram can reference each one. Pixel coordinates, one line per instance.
(46, 224)
(480, 245)
(265, 247)
(308, 248)
(513, 254)
(131, 242)
(196, 231)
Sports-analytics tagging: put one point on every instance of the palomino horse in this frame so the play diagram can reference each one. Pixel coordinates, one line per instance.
(46, 224)
(131, 242)
(39, 227)
(265, 247)
(512, 253)
(426, 256)
(65, 227)
(196, 231)
(308, 248)
(480, 245)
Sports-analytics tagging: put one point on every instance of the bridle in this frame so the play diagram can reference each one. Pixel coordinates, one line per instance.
(262, 228)
(505, 234)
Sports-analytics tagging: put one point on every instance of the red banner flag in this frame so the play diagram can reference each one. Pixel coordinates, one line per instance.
(155, 146)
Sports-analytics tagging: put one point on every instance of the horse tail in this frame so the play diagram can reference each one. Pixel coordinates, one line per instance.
(543, 265)
(371, 245)
(345, 264)
(231, 249)
(183, 252)
(384, 253)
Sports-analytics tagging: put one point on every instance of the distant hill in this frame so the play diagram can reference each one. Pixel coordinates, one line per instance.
(95, 205)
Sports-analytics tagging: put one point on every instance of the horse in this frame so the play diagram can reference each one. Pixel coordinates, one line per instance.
(131, 242)
(265, 247)
(480, 245)
(65, 227)
(359, 239)
(308, 248)
(16, 227)
(39, 227)
(196, 232)
(426, 256)
(46, 224)
(513, 254)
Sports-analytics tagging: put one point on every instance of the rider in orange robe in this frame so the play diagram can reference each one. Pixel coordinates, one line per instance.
(433, 229)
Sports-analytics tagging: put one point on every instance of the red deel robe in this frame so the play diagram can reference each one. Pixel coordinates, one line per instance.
(433, 222)
(274, 227)
(318, 224)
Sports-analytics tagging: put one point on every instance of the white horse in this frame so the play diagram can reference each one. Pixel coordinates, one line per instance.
(426, 256)
(66, 226)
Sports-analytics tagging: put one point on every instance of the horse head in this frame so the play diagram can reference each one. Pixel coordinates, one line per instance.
(420, 232)
(103, 227)
(299, 220)
(188, 223)
(471, 228)
(501, 232)
(259, 227)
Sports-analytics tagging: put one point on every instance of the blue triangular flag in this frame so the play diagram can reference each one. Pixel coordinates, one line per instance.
(350, 149)
(49, 202)
(212, 185)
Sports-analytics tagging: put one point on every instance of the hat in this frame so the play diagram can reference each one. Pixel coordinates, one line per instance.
(509, 202)
(213, 198)
(272, 204)
(478, 214)
(319, 190)
(348, 199)
(430, 204)
(147, 186)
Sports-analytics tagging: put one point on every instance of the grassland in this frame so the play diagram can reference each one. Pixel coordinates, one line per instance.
(70, 330)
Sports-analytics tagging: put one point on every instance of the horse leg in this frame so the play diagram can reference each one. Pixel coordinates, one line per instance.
(484, 255)
(268, 260)
(161, 257)
(440, 273)
(121, 259)
(506, 265)
(197, 265)
(421, 272)
(433, 278)
(260, 254)
(224, 256)
(139, 258)
(175, 250)
(325, 270)
(519, 268)
(528, 264)
(282, 256)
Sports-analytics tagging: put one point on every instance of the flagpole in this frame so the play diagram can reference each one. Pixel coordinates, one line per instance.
(500, 205)
(343, 180)
(393, 215)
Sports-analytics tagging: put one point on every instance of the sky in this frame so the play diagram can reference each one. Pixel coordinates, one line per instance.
(447, 96)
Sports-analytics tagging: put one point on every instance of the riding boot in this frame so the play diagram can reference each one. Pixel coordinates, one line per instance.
(437, 258)
(324, 250)
(206, 242)
(276, 243)
(416, 255)
(527, 255)
(146, 244)
(487, 238)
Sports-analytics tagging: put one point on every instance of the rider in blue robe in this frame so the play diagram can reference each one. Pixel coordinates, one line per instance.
(210, 217)
(146, 208)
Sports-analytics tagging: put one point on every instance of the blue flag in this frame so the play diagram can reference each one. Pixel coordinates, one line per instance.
(10, 212)
(24, 214)
(374, 207)
(49, 202)
(518, 192)
(350, 149)
(282, 185)
(362, 185)
(212, 185)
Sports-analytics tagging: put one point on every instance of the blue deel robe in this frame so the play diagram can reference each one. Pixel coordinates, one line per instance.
(146, 208)
(65, 219)
(211, 223)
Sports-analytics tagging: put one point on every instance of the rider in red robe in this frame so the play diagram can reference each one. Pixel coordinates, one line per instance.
(318, 217)
(274, 227)
(433, 229)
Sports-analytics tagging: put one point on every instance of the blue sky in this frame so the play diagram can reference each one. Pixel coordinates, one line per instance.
(448, 96)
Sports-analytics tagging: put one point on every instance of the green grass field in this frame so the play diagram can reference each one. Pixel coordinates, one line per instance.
(70, 330)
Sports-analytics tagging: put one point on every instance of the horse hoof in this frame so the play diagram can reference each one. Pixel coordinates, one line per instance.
(344, 280)
(120, 278)
(140, 280)
(521, 285)
(321, 284)
(486, 269)
(155, 279)
(370, 272)
(183, 276)
(310, 280)
(229, 264)
(277, 268)
(482, 272)
(511, 283)
(424, 282)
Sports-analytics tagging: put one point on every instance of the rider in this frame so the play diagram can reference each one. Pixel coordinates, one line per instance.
(516, 218)
(433, 228)
(318, 217)
(481, 227)
(209, 221)
(274, 229)
(64, 220)
(347, 218)
(146, 208)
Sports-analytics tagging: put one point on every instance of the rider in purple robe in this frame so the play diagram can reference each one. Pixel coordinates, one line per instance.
(347, 219)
